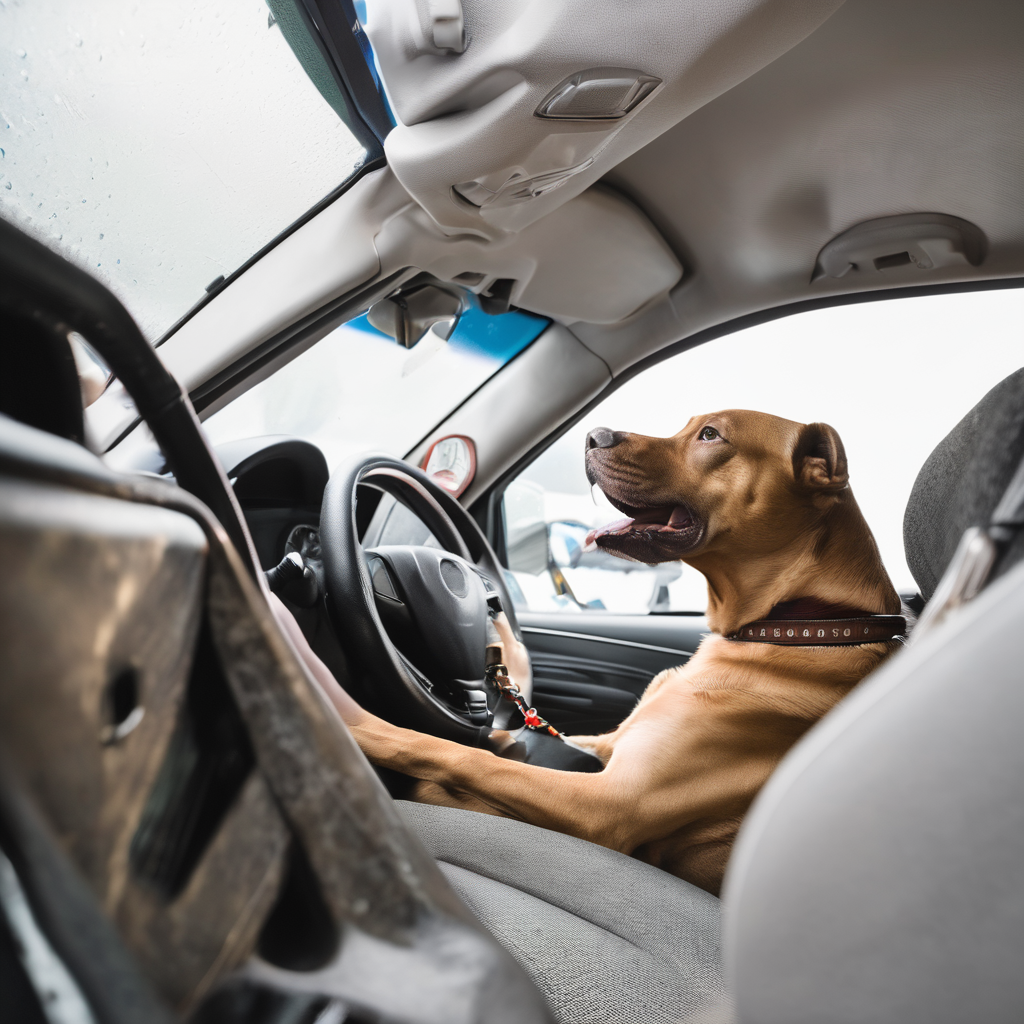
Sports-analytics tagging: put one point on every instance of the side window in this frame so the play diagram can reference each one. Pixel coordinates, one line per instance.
(893, 377)
(548, 511)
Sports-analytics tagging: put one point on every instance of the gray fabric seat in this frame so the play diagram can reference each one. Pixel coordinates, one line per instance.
(880, 874)
(607, 939)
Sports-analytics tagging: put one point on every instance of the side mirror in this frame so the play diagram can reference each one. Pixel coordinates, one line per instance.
(526, 528)
(408, 316)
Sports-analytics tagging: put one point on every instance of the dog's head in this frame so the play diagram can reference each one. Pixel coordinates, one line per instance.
(740, 480)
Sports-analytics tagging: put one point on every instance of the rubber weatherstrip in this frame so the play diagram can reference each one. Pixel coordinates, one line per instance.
(293, 336)
(339, 28)
(374, 164)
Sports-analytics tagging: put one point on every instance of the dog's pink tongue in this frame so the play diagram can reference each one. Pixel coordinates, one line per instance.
(619, 526)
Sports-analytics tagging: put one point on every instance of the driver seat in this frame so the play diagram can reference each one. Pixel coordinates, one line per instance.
(604, 936)
(880, 873)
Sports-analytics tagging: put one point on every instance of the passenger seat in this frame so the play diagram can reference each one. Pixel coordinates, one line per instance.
(880, 875)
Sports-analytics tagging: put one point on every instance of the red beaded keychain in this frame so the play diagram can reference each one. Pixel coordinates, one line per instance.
(497, 674)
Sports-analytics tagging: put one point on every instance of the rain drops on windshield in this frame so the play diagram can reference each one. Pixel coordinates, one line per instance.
(159, 146)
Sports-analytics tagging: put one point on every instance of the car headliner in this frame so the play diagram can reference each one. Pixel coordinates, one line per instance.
(886, 109)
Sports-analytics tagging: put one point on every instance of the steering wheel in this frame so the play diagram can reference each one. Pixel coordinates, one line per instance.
(416, 618)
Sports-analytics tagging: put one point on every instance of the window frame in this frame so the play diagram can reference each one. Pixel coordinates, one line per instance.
(328, 27)
(370, 164)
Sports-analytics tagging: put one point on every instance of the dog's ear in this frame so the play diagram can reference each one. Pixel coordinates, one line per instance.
(819, 459)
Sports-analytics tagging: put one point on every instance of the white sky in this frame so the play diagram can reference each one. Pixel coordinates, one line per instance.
(159, 145)
(893, 377)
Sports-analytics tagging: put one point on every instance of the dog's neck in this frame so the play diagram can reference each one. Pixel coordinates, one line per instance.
(835, 563)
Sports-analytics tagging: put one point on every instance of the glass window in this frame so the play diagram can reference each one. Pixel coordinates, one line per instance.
(160, 145)
(893, 377)
(359, 390)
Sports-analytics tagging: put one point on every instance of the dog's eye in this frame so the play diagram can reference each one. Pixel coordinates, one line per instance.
(708, 434)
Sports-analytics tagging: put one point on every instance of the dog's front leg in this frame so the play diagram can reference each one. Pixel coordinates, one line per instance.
(601, 746)
(431, 793)
(597, 806)
(580, 804)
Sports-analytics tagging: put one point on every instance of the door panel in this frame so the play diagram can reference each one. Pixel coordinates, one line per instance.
(589, 669)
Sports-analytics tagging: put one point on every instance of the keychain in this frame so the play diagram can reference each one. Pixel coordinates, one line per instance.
(497, 673)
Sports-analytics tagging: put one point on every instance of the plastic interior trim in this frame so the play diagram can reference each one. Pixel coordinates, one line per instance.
(606, 640)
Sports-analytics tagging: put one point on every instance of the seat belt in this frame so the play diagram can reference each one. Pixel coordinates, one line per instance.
(979, 550)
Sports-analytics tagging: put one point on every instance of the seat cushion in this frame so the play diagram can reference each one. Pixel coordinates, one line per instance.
(605, 937)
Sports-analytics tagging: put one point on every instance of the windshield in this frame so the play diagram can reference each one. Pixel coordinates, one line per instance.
(358, 389)
(161, 145)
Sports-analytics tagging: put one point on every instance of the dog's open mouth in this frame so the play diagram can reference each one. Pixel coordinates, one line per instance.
(650, 535)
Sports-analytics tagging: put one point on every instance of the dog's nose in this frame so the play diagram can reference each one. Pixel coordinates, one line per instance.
(602, 437)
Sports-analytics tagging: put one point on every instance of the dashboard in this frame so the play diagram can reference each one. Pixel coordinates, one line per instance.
(279, 482)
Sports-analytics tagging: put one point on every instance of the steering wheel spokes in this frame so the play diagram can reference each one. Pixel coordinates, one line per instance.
(434, 607)
(416, 617)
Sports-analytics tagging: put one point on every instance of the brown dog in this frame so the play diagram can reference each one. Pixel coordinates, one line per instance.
(762, 507)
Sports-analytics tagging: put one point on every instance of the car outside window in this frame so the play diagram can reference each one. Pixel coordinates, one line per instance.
(892, 376)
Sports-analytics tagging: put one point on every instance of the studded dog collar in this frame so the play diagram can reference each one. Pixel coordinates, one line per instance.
(810, 623)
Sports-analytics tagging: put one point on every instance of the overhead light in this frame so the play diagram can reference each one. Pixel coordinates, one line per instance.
(600, 94)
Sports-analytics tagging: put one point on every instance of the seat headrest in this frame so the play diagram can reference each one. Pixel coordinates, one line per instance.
(962, 481)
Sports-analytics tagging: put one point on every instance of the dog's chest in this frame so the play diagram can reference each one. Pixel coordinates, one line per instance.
(759, 681)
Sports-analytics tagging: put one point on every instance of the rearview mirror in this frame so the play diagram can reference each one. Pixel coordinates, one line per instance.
(408, 316)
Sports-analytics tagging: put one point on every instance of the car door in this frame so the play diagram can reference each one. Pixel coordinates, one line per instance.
(590, 670)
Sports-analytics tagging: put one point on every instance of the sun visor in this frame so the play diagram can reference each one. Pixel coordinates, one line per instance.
(507, 109)
(599, 259)
(596, 258)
